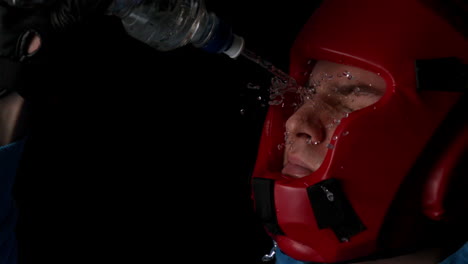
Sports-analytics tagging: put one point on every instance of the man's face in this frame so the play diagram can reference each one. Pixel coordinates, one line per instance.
(334, 90)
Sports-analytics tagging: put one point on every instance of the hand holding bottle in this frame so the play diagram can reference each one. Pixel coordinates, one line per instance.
(170, 24)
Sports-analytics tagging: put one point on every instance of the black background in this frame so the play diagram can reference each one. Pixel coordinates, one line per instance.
(140, 156)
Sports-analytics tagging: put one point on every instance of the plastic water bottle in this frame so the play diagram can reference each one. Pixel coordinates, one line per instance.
(169, 24)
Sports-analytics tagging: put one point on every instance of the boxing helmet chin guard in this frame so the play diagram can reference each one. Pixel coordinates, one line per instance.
(381, 198)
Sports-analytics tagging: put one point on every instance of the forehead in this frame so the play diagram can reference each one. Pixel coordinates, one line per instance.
(340, 73)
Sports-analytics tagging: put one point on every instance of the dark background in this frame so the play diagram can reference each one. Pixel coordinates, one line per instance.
(133, 154)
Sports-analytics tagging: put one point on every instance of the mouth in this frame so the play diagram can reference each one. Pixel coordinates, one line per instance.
(295, 169)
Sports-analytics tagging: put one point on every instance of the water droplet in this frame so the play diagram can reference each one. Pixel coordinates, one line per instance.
(323, 77)
(335, 138)
(252, 86)
(280, 146)
(347, 74)
(242, 111)
(259, 98)
(330, 146)
(345, 133)
(336, 121)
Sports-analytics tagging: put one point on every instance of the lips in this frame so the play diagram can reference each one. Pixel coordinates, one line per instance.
(295, 170)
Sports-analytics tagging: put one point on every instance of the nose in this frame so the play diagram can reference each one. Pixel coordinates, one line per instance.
(303, 124)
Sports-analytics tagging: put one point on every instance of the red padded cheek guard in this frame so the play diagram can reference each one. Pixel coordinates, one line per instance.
(370, 179)
(376, 147)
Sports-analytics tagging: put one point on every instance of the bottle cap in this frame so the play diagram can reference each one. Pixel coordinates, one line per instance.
(236, 47)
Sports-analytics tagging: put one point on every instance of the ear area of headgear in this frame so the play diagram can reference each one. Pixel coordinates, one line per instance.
(442, 197)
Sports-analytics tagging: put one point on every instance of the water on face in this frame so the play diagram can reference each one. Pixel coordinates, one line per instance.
(318, 90)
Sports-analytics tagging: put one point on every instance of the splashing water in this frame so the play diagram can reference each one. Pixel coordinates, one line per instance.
(253, 86)
(280, 83)
(269, 66)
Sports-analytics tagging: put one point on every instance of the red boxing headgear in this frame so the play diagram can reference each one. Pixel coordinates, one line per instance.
(379, 194)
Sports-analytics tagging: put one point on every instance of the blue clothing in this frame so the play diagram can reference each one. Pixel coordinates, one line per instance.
(282, 258)
(458, 257)
(10, 156)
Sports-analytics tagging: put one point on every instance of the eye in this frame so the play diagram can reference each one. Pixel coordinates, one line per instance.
(359, 100)
(359, 91)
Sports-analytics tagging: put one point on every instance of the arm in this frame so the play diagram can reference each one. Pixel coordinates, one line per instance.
(12, 133)
(12, 118)
(21, 53)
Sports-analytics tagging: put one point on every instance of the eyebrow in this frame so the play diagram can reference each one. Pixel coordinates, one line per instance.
(347, 89)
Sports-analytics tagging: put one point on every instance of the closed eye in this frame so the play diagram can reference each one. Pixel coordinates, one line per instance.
(358, 89)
